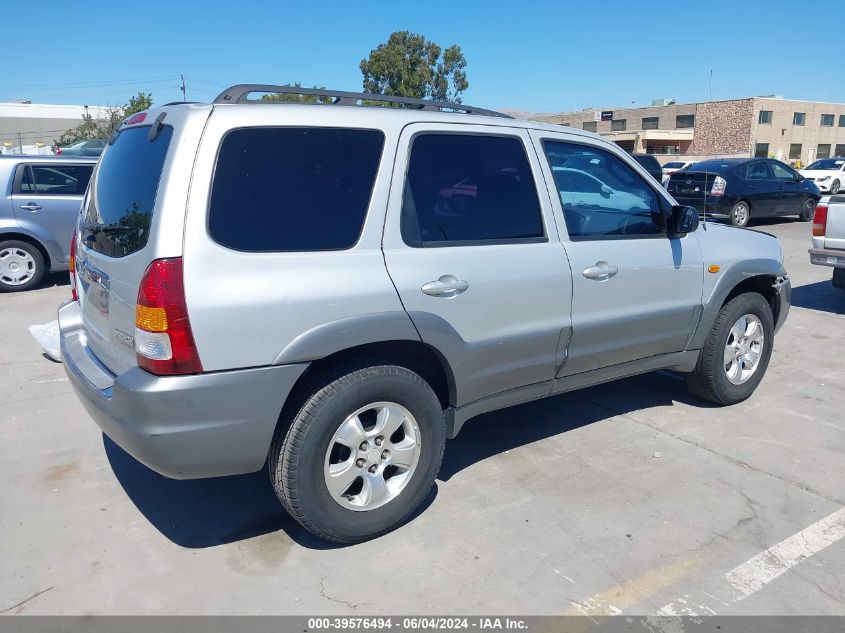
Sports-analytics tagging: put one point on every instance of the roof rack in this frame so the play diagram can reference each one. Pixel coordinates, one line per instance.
(239, 93)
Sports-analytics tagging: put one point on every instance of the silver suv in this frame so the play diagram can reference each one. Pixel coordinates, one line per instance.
(38, 209)
(334, 289)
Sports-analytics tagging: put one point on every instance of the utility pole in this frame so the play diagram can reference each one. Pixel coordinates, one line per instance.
(184, 93)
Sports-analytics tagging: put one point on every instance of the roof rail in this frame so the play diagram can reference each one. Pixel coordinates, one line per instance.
(239, 93)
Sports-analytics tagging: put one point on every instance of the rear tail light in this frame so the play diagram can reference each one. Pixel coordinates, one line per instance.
(164, 342)
(820, 220)
(72, 268)
(719, 185)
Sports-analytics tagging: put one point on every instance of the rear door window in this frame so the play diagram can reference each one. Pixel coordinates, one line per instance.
(117, 218)
(293, 188)
(469, 189)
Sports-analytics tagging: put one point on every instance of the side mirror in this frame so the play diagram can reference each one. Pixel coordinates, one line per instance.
(682, 220)
(606, 191)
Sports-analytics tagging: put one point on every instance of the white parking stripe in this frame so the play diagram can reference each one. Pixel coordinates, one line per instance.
(755, 573)
(759, 571)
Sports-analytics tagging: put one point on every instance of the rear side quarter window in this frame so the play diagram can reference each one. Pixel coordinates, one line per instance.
(282, 189)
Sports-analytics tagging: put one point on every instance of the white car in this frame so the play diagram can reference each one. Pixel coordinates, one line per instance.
(827, 173)
(670, 168)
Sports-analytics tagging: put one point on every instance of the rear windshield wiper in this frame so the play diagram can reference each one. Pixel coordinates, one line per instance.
(104, 228)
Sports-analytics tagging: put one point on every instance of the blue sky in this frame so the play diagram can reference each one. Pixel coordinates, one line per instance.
(534, 56)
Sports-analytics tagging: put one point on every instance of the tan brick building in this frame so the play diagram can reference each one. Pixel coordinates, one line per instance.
(755, 126)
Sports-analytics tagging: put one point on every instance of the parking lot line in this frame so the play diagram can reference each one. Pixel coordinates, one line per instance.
(751, 576)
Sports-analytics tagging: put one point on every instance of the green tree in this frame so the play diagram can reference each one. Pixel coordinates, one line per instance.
(296, 98)
(106, 123)
(408, 65)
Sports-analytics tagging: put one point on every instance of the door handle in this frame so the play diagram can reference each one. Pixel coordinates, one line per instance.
(31, 206)
(446, 286)
(602, 271)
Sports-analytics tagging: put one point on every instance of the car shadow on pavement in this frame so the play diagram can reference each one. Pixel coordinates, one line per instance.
(55, 279)
(200, 513)
(506, 429)
(821, 296)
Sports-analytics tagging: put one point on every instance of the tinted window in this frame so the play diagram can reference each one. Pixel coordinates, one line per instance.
(823, 150)
(602, 196)
(123, 192)
(795, 150)
(650, 123)
(590, 126)
(761, 150)
(842, 120)
(756, 171)
(618, 125)
(293, 189)
(840, 150)
(685, 120)
(765, 116)
(469, 188)
(61, 180)
(827, 120)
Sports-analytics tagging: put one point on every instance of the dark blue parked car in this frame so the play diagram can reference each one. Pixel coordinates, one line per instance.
(742, 188)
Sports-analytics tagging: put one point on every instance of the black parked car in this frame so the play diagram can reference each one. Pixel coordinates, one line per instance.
(651, 165)
(742, 188)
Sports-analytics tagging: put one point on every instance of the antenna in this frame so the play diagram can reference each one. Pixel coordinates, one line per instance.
(184, 92)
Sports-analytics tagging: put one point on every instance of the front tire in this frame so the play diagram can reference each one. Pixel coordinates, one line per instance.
(740, 214)
(808, 210)
(361, 454)
(736, 353)
(22, 266)
(834, 187)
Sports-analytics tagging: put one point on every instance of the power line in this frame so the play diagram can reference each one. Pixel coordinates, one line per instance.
(96, 84)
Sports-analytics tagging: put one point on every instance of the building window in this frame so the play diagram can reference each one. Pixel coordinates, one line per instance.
(823, 151)
(685, 120)
(650, 122)
(761, 150)
(840, 150)
(662, 149)
(827, 120)
(798, 118)
(589, 126)
(842, 120)
(765, 117)
(618, 125)
(795, 151)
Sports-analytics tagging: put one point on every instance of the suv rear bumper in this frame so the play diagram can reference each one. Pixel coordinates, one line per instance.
(184, 427)
(827, 257)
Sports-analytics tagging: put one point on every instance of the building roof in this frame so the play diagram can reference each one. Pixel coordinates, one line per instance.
(47, 110)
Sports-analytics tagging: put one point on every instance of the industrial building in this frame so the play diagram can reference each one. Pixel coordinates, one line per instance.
(771, 126)
(35, 126)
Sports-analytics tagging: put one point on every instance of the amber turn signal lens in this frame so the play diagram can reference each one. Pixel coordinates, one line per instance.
(714, 268)
(150, 319)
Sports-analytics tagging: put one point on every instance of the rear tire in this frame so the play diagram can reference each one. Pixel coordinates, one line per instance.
(22, 266)
(341, 470)
(808, 210)
(740, 214)
(715, 377)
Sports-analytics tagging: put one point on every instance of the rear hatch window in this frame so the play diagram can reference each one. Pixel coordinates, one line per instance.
(116, 220)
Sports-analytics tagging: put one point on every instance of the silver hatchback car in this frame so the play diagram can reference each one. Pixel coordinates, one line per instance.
(38, 210)
(332, 290)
